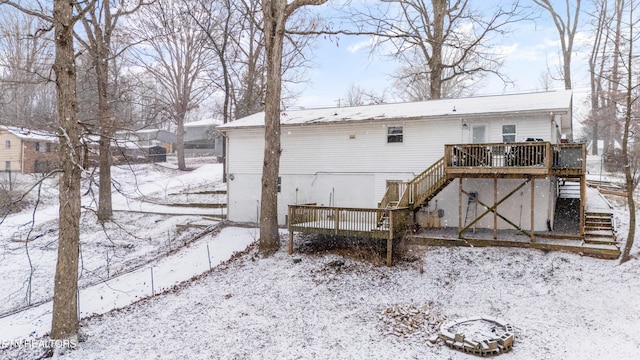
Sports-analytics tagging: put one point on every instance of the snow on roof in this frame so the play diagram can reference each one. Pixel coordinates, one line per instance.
(27, 134)
(543, 101)
(204, 122)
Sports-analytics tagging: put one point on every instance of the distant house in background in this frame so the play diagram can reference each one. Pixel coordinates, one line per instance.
(202, 137)
(147, 138)
(27, 151)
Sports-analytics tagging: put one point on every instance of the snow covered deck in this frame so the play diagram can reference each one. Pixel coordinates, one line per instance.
(384, 224)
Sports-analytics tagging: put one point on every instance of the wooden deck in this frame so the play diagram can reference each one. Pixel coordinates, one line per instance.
(386, 224)
(510, 238)
(515, 160)
(392, 218)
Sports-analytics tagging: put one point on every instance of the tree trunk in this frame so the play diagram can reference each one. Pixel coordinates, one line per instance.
(180, 142)
(625, 148)
(64, 322)
(274, 26)
(105, 210)
(435, 62)
(567, 70)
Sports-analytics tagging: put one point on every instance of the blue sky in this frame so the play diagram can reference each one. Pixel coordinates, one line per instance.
(530, 49)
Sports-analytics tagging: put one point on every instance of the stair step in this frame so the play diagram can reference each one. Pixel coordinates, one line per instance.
(588, 223)
(595, 231)
(599, 214)
(601, 240)
(599, 233)
(599, 217)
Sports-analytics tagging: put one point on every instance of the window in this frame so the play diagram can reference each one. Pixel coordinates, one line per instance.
(479, 134)
(48, 147)
(7, 165)
(394, 134)
(279, 183)
(7, 144)
(508, 133)
(37, 146)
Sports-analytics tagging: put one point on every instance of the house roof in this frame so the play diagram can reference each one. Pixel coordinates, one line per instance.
(559, 101)
(32, 135)
(204, 122)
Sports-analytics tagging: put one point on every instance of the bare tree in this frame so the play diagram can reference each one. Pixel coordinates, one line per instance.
(357, 96)
(631, 87)
(176, 55)
(275, 13)
(27, 94)
(604, 68)
(439, 41)
(99, 23)
(597, 61)
(567, 27)
(222, 28)
(64, 323)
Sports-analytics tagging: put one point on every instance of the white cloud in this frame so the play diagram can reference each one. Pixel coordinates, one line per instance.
(364, 44)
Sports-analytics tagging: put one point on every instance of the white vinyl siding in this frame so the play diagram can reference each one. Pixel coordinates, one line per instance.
(348, 164)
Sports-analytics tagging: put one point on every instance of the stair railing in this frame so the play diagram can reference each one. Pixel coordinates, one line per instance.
(424, 185)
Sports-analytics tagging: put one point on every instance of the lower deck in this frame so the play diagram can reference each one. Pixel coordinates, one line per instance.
(512, 238)
(598, 239)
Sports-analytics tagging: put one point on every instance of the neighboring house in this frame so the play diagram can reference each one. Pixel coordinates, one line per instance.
(203, 137)
(27, 151)
(146, 138)
(448, 157)
(142, 145)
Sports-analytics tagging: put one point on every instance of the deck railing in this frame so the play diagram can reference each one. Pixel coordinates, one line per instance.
(535, 156)
(374, 223)
(524, 154)
(392, 196)
(424, 184)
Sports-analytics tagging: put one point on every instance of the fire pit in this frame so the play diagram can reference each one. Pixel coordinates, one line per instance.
(482, 335)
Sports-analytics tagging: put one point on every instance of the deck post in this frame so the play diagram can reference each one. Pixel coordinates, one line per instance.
(533, 212)
(459, 207)
(289, 219)
(336, 214)
(390, 240)
(583, 200)
(495, 201)
(290, 242)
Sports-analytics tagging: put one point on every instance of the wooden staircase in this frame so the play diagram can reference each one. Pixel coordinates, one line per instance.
(599, 229)
(420, 189)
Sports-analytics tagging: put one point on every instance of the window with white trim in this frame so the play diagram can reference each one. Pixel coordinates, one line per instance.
(7, 144)
(508, 133)
(395, 134)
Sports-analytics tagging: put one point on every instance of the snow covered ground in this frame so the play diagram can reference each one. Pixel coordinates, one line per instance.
(133, 239)
(329, 305)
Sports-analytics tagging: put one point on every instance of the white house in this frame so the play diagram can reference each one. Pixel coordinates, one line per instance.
(201, 136)
(350, 156)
